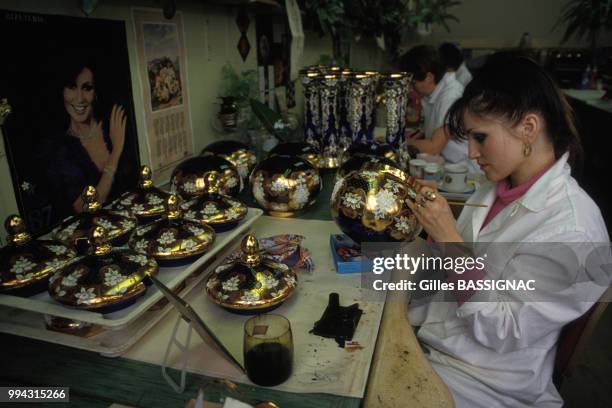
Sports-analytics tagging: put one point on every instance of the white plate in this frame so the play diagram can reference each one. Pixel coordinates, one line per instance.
(469, 189)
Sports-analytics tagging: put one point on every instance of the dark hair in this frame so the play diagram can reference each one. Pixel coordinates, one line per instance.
(70, 66)
(511, 86)
(451, 56)
(420, 60)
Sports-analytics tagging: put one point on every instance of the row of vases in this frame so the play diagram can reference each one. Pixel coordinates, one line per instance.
(340, 108)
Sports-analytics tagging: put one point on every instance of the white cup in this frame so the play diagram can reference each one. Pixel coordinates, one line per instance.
(416, 167)
(432, 172)
(455, 177)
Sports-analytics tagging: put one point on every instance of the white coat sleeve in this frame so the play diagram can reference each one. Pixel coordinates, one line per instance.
(510, 320)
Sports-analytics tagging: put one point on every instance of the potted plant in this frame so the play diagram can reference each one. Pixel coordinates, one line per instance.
(426, 13)
(241, 87)
(586, 18)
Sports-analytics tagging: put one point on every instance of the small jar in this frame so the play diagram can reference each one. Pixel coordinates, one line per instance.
(431, 172)
(416, 168)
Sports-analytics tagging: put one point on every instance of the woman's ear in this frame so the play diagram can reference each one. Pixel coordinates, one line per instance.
(531, 127)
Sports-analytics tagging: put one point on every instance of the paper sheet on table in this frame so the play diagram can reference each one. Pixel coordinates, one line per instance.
(319, 364)
(297, 37)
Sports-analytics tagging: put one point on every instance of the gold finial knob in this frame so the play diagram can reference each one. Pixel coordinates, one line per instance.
(173, 208)
(98, 241)
(90, 199)
(250, 249)
(16, 229)
(145, 181)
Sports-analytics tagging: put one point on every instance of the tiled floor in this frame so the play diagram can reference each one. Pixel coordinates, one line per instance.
(591, 384)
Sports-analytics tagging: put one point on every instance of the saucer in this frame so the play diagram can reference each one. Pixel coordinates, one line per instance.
(468, 189)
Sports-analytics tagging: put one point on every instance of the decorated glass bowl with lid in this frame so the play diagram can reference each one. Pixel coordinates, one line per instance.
(75, 230)
(300, 149)
(172, 240)
(104, 280)
(26, 263)
(252, 283)
(237, 153)
(146, 202)
(219, 211)
(194, 176)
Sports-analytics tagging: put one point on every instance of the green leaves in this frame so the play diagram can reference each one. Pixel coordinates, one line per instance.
(373, 18)
(586, 18)
(434, 12)
(330, 14)
(240, 86)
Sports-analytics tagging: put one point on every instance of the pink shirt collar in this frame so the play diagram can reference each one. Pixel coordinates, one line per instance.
(507, 194)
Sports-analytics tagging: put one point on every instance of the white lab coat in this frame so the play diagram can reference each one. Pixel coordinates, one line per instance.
(463, 75)
(435, 108)
(495, 350)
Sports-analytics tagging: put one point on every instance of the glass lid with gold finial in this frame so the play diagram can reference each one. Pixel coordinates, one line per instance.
(106, 279)
(172, 240)
(75, 229)
(237, 153)
(190, 178)
(219, 211)
(251, 283)
(25, 263)
(146, 202)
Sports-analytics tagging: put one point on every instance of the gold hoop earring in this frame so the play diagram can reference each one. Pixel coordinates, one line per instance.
(526, 149)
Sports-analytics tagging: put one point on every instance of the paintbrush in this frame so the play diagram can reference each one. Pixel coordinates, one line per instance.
(463, 203)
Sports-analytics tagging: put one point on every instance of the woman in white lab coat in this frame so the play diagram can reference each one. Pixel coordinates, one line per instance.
(497, 349)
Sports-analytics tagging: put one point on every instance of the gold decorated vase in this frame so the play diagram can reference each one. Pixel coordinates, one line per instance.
(370, 206)
(284, 185)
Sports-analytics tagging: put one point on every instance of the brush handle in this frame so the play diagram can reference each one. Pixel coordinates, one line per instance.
(461, 203)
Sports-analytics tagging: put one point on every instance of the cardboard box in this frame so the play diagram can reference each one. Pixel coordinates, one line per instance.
(346, 253)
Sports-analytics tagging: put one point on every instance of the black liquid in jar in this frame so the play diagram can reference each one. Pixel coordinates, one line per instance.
(269, 364)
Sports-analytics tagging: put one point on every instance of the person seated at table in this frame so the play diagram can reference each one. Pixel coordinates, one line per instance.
(438, 89)
(453, 61)
(497, 348)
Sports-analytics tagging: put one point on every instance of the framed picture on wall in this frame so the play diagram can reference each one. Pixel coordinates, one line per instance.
(68, 82)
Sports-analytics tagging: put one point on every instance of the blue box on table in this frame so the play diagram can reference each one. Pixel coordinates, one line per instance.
(347, 255)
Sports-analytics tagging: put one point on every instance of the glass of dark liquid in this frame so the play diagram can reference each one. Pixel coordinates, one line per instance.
(268, 349)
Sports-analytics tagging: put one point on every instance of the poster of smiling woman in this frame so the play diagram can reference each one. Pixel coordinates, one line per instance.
(72, 122)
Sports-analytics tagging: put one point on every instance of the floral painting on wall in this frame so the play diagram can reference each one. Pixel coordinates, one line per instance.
(162, 55)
